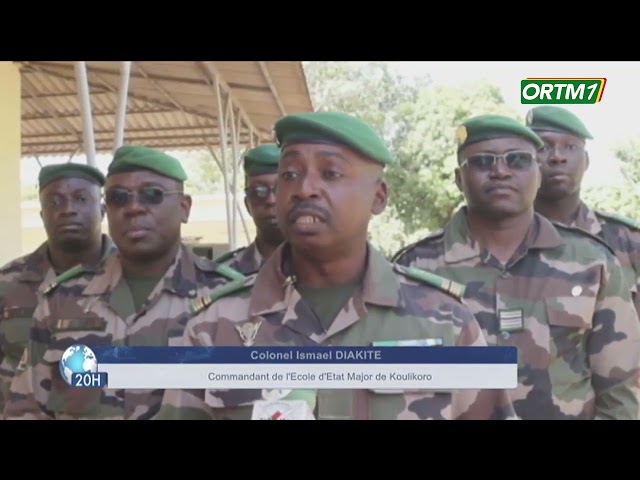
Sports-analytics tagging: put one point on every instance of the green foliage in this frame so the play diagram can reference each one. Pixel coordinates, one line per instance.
(623, 198)
(204, 174)
(629, 155)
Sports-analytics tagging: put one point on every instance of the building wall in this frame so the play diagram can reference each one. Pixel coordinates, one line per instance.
(10, 155)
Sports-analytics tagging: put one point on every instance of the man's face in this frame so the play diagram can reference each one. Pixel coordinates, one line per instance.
(501, 187)
(260, 200)
(326, 195)
(72, 213)
(563, 161)
(145, 212)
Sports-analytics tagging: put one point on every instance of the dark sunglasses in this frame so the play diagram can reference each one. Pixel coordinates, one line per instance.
(514, 160)
(259, 192)
(146, 196)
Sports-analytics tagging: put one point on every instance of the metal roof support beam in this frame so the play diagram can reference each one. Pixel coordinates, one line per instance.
(272, 87)
(105, 84)
(85, 104)
(235, 154)
(50, 111)
(222, 128)
(211, 74)
(123, 94)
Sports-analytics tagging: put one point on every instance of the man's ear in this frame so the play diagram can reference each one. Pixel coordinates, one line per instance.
(381, 197)
(458, 178)
(185, 204)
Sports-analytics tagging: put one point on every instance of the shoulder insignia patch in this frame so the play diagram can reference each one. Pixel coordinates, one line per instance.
(208, 265)
(432, 236)
(201, 303)
(629, 222)
(228, 255)
(454, 289)
(73, 272)
(229, 272)
(582, 232)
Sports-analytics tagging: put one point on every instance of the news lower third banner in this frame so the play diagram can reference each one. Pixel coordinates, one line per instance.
(378, 367)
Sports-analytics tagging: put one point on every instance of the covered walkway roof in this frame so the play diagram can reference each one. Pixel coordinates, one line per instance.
(170, 105)
(71, 108)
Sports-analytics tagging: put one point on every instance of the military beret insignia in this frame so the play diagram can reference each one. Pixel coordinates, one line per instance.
(461, 134)
(529, 117)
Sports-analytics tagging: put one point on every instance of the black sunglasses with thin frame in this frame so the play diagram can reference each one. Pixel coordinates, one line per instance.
(118, 197)
(515, 160)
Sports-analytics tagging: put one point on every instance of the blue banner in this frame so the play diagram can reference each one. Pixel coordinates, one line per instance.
(306, 355)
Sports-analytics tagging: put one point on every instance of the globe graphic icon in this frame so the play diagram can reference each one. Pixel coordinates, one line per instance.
(77, 359)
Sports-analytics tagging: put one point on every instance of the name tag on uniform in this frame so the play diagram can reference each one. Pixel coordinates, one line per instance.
(511, 320)
(281, 410)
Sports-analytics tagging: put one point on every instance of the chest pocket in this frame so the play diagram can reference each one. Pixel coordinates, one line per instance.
(570, 320)
(14, 331)
(66, 401)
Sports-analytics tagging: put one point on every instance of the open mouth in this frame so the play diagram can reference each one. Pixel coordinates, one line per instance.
(307, 220)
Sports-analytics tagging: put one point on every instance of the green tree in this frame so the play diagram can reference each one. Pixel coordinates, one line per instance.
(205, 177)
(369, 90)
(623, 198)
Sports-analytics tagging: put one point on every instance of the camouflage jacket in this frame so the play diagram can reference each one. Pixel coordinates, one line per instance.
(562, 300)
(19, 282)
(622, 235)
(246, 260)
(393, 303)
(94, 306)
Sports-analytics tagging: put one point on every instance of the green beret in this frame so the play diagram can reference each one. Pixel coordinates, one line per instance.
(556, 119)
(51, 173)
(334, 127)
(486, 127)
(130, 158)
(262, 160)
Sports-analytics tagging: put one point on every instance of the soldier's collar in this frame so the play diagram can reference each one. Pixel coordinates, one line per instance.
(586, 219)
(177, 279)
(459, 246)
(275, 283)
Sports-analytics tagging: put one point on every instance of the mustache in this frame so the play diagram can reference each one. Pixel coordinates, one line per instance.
(308, 207)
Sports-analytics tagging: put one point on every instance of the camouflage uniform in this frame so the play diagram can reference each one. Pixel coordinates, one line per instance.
(393, 304)
(562, 301)
(95, 307)
(623, 237)
(246, 260)
(19, 282)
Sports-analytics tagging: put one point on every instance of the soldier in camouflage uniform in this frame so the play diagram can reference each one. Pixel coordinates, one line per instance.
(554, 292)
(564, 160)
(261, 174)
(139, 296)
(326, 285)
(72, 213)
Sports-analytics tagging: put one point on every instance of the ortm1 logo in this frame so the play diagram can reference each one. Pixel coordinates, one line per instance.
(560, 91)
